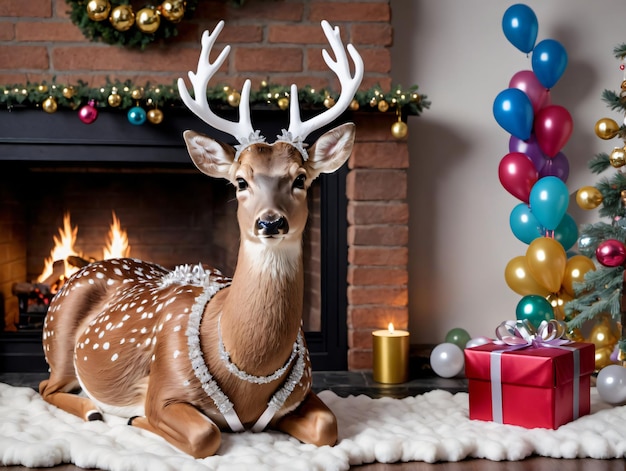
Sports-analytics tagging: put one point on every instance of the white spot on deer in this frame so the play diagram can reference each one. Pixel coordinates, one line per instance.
(117, 271)
(87, 340)
(132, 340)
(153, 357)
(109, 326)
(140, 309)
(96, 346)
(101, 334)
(143, 330)
(177, 328)
(186, 383)
(99, 275)
(126, 317)
(85, 358)
(91, 281)
(168, 317)
(119, 325)
(122, 341)
(148, 341)
(115, 357)
(106, 345)
(176, 353)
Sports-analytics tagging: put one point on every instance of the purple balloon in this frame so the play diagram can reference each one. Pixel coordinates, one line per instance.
(558, 166)
(530, 147)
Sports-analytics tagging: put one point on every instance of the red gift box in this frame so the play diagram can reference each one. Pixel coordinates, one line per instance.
(534, 387)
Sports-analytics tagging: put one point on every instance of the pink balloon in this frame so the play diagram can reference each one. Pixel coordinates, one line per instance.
(553, 127)
(517, 175)
(527, 81)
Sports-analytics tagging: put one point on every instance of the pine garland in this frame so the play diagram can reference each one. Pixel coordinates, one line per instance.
(105, 32)
(267, 96)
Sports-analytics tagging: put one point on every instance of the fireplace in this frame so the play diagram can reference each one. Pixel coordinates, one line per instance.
(52, 166)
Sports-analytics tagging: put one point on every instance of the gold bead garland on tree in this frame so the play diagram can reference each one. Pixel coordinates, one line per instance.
(112, 21)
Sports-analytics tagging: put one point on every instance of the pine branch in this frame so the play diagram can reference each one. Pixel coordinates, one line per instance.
(599, 163)
(620, 51)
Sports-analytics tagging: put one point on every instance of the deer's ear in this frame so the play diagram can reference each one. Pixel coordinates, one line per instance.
(331, 150)
(210, 156)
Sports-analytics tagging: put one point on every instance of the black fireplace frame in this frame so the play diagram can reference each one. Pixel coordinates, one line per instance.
(32, 137)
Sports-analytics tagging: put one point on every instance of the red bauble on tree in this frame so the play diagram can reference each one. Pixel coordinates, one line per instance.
(611, 253)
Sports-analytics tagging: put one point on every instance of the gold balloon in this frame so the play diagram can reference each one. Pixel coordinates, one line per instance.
(234, 98)
(518, 278)
(575, 269)
(588, 197)
(558, 301)
(399, 129)
(155, 116)
(603, 357)
(148, 20)
(114, 100)
(49, 105)
(173, 10)
(122, 17)
(618, 157)
(283, 103)
(604, 332)
(546, 260)
(98, 10)
(606, 128)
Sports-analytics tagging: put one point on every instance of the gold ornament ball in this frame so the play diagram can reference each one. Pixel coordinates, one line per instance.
(383, 106)
(122, 17)
(399, 129)
(329, 102)
(68, 92)
(283, 103)
(354, 105)
(155, 116)
(172, 10)
(137, 93)
(42, 88)
(234, 98)
(148, 20)
(114, 100)
(98, 10)
(606, 128)
(618, 157)
(588, 197)
(49, 105)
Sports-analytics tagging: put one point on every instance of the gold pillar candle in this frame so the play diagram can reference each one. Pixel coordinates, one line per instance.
(391, 355)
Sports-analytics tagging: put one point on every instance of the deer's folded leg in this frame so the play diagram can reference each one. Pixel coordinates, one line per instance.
(184, 427)
(54, 393)
(312, 422)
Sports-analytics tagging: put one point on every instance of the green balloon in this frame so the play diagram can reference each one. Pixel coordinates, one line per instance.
(535, 309)
(458, 337)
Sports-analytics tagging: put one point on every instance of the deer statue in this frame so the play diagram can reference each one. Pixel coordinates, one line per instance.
(188, 353)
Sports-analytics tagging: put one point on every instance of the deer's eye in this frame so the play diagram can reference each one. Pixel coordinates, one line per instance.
(299, 182)
(242, 184)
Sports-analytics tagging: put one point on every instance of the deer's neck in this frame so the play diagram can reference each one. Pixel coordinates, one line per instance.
(262, 313)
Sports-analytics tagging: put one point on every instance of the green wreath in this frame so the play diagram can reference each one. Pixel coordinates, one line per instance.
(115, 22)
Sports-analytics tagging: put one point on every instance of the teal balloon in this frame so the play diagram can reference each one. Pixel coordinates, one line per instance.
(549, 61)
(459, 337)
(535, 309)
(566, 233)
(548, 200)
(520, 27)
(524, 224)
(513, 111)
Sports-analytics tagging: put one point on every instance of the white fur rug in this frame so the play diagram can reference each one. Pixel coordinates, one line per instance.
(429, 427)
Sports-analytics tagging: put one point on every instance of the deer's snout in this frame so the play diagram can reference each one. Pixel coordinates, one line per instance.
(271, 225)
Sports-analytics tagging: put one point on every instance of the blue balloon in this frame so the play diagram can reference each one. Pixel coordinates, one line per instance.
(549, 61)
(566, 233)
(514, 112)
(520, 27)
(524, 224)
(548, 200)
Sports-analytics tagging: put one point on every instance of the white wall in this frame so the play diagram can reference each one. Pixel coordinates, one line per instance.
(459, 227)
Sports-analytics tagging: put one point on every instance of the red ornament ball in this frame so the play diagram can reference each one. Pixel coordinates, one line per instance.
(611, 253)
(622, 67)
(88, 113)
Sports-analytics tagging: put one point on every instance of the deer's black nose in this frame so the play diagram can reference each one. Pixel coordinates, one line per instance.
(272, 226)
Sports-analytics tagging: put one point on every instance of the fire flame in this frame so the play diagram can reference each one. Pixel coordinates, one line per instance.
(63, 248)
(117, 244)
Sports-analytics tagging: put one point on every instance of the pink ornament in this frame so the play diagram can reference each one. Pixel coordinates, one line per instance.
(88, 113)
(611, 253)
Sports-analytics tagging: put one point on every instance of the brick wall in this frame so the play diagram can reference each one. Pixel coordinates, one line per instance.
(279, 41)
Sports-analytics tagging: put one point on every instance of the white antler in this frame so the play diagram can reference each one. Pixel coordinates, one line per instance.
(242, 130)
(349, 85)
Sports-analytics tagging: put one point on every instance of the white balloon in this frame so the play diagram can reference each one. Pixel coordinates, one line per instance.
(476, 341)
(611, 384)
(447, 360)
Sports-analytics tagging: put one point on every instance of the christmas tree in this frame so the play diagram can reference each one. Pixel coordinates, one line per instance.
(600, 298)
